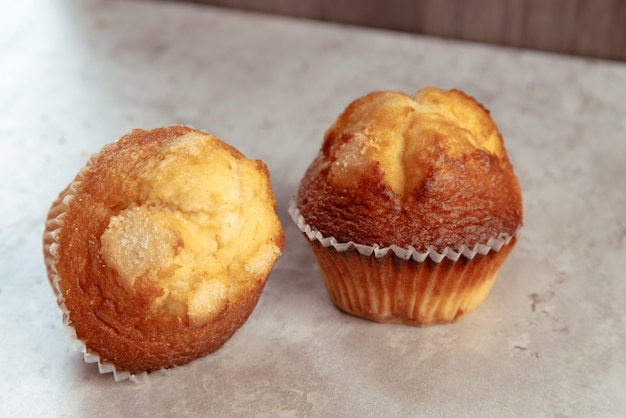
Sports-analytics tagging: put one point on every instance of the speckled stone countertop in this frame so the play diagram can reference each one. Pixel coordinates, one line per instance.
(549, 340)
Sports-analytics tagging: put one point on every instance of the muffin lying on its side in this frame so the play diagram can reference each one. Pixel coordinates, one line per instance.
(410, 207)
(158, 251)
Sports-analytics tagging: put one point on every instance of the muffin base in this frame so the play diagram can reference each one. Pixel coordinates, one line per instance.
(393, 290)
(402, 285)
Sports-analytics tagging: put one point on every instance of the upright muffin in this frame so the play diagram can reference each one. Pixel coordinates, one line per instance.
(411, 206)
(159, 249)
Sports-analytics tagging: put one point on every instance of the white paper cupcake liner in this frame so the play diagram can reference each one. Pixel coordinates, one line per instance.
(375, 286)
(54, 223)
(493, 244)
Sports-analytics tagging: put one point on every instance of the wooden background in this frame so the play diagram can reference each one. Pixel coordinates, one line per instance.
(592, 28)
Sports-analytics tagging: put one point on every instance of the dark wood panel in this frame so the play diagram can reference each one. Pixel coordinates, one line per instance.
(594, 28)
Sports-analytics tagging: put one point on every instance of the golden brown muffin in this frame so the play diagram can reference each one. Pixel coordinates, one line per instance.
(427, 173)
(159, 249)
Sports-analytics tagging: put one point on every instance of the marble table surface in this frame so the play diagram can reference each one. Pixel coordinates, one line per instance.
(549, 340)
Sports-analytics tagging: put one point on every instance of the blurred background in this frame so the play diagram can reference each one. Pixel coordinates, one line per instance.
(590, 28)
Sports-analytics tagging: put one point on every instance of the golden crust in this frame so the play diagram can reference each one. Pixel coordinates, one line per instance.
(160, 249)
(428, 170)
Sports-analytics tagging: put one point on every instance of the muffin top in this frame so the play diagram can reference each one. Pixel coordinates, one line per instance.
(428, 170)
(170, 223)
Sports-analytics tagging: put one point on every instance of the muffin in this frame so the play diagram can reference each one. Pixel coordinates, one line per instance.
(159, 249)
(411, 206)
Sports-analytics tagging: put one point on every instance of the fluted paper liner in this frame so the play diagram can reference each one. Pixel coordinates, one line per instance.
(54, 223)
(396, 284)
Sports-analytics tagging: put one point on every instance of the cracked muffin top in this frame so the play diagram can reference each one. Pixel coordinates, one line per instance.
(428, 170)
